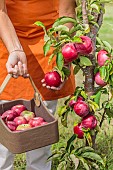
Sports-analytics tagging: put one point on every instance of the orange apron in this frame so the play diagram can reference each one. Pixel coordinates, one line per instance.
(23, 14)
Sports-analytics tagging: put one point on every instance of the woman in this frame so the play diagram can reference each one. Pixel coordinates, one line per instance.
(21, 54)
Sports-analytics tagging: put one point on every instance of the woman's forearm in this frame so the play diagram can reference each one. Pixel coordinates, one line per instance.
(7, 31)
(67, 8)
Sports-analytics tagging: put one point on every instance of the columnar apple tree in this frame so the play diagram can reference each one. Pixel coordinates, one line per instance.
(81, 47)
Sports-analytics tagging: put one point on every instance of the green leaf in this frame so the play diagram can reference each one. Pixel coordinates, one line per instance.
(39, 23)
(85, 61)
(96, 6)
(66, 71)
(85, 163)
(93, 105)
(46, 47)
(60, 61)
(94, 23)
(64, 20)
(61, 28)
(64, 119)
(107, 45)
(97, 98)
(61, 110)
(76, 69)
(46, 38)
(62, 165)
(73, 137)
(107, 75)
(77, 39)
(102, 71)
(83, 94)
(93, 156)
(50, 58)
(83, 149)
(99, 41)
(53, 157)
(86, 28)
(75, 160)
(89, 139)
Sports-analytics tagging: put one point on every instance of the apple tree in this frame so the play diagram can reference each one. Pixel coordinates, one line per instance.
(81, 47)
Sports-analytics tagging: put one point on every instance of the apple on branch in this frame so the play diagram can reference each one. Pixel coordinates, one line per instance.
(81, 108)
(69, 52)
(98, 80)
(78, 131)
(102, 57)
(85, 47)
(89, 121)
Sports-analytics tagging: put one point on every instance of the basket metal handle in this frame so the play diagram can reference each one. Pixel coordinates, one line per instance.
(36, 94)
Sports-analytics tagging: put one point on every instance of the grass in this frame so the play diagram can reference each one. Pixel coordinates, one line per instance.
(105, 137)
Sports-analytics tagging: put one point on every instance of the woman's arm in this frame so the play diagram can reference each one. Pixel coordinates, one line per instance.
(67, 8)
(17, 62)
(7, 31)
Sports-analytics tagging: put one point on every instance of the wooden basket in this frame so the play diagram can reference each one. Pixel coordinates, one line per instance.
(34, 138)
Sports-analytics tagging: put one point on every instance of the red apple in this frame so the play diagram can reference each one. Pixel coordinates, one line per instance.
(11, 125)
(44, 123)
(9, 115)
(52, 78)
(27, 114)
(72, 103)
(36, 121)
(79, 98)
(19, 108)
(102, 57)
(78, 131)
(20, 120)
(69, 52)
(89, 121)
(98, 80)
(23, 127)
(85, 47)
(81, 108)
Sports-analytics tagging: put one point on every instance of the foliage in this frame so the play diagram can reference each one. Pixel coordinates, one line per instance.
(88, 22)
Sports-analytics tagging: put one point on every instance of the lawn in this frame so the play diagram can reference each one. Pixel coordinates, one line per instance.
(105, 137)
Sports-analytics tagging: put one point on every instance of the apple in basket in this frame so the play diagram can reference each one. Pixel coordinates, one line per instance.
(20, 120)
(36, 121)
(23, 127)
(19, 108)
(11, 125)
(9, 115)
(27, 114)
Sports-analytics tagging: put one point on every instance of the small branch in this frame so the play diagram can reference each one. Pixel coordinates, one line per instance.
(102, 119)
(84, 12)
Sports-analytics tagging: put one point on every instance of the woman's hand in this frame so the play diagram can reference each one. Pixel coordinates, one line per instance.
(17, 64)
(52, 87)
(68, 66)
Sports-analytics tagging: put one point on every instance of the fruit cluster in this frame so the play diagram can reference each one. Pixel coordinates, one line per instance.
(88, 121)
(18, 118)
(70, 52)
(102, 56)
